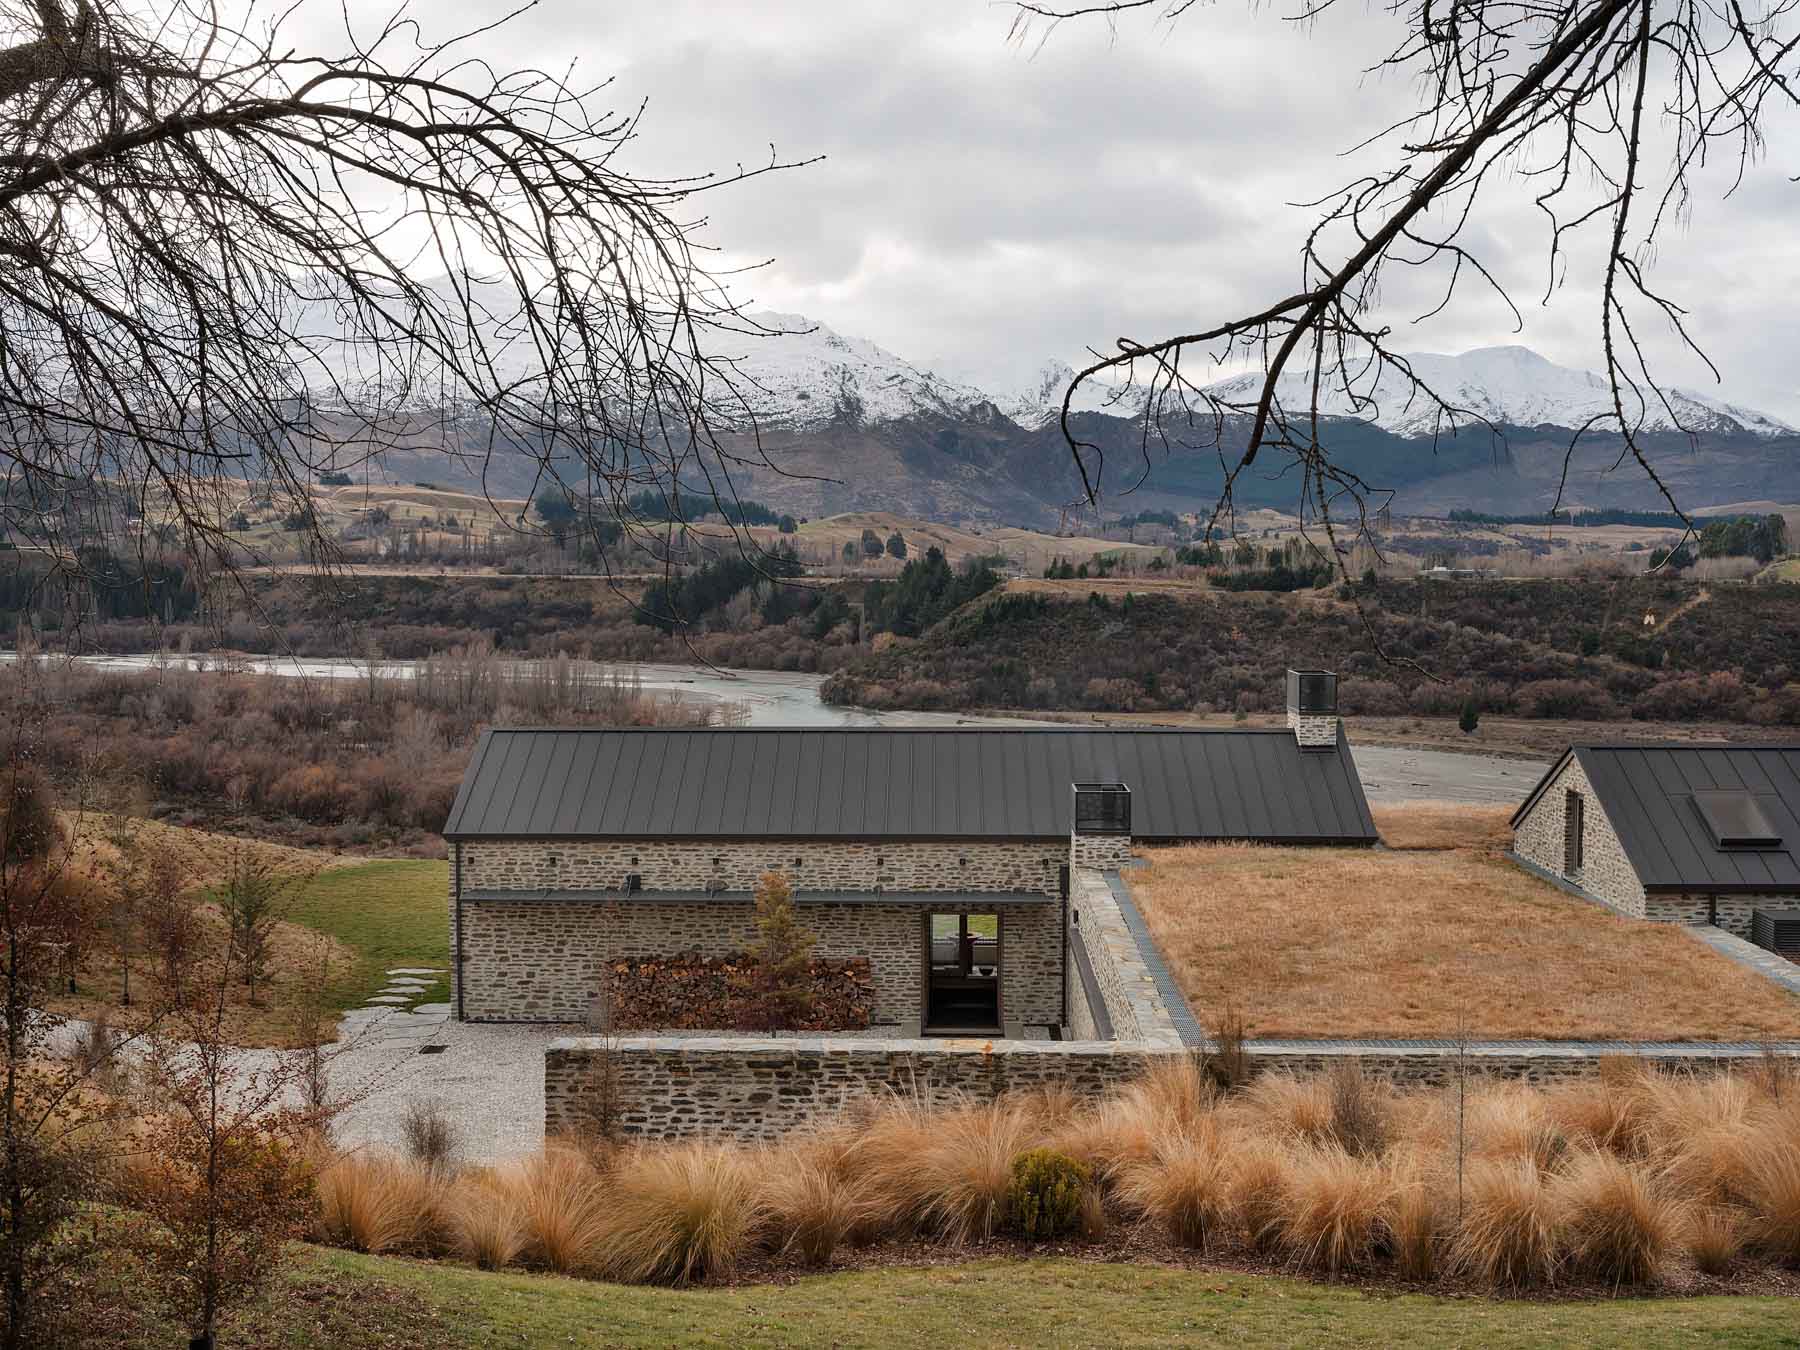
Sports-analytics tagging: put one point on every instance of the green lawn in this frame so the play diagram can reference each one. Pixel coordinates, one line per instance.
(340, 1299)
(390, 913)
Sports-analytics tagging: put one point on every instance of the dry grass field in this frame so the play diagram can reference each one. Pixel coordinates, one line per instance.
(1428, 940)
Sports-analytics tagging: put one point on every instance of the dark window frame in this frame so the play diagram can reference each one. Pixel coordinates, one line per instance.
(1574, 831)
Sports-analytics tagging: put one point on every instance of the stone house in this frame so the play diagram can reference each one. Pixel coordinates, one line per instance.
(942, 855)
(1705, 834)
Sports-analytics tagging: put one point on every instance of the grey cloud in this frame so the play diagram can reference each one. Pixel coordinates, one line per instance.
(994, 207)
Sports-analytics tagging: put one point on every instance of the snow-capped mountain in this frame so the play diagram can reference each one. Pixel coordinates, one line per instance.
(806, 374)
(1510, 385)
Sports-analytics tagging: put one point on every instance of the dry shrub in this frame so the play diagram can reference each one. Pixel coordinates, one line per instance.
(1184, 1185)
(1715, 1237)
(1615, 1226)
(1257, 1190)
(1335, 1211)
(1360, 1109)
(1507, 1237)
(375, 1203)
(485, 1217)
(678, 1213)
(429, 1134)
(811, 1206)
(561, 1198)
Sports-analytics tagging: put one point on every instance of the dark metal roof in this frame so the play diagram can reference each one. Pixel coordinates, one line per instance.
(1648, 792)
(882, 783)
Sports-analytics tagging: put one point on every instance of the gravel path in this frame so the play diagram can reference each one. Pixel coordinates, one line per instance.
(488, 1078)
(1397, 774)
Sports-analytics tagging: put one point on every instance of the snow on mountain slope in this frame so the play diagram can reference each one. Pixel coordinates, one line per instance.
(1512, 385)
(809, 374)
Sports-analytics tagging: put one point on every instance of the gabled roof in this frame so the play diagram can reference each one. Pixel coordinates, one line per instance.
(1648, 793)
(901, 783)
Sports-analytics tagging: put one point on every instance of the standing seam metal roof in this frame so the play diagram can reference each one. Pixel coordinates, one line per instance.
(1647, 793)
(901, 783)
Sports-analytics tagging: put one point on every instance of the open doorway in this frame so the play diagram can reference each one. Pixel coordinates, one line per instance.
(962, 974)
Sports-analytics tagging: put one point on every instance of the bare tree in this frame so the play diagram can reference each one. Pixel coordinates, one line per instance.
(1605, 108)
(226, 261)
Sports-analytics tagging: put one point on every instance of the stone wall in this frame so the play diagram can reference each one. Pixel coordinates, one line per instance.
(535, 960)
(538, 960)
(809, 864)
(1313, 729)
(1605, 872)
(1127, 987)
(760, 1089)
(1103, 852)
(1733, 912)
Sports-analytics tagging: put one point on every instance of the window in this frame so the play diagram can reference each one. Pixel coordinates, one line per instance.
(1736, 820)
(1574, 830)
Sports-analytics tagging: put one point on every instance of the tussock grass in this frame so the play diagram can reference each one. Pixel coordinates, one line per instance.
(811, 1205)
(1335, 1207)
(485, 1219)
(1507, 1237)
(1184, 1185)
(562, 1203)
(1613, 1182)
(375, 1203)
(1616, 1226)
(678, 1213)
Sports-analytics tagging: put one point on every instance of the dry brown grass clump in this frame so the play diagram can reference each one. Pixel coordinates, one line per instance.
(562, 1200)
(1335, 1208)
(1433, 944)
(484, 1219)
(1184, 1185)
(1507, 1235)
(678, 1213)
(1615, 1226)
(372, 1202)
(811, 1203)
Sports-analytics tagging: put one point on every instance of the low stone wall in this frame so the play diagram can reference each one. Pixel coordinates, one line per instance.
(759, 1089)
(1127, 986)
(539, 960)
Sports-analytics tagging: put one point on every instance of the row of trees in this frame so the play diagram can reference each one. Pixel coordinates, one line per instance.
(207, 1174)
(872, 546)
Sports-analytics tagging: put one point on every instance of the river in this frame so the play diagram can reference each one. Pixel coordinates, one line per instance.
(780, 698)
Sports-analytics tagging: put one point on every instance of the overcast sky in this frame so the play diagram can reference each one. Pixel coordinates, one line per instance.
(984, 205)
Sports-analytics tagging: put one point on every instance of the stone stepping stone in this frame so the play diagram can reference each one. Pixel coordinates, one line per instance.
(389, 999)
(409, 984)
(434, 1009)
(415, 970)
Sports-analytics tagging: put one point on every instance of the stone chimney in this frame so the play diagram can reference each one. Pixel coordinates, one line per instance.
(1100, 829)
(1312, 708)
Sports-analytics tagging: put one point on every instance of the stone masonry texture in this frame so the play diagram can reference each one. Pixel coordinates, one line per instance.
(1608, 876)
(759, 1089)
(526, 958)
(1605, 872)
